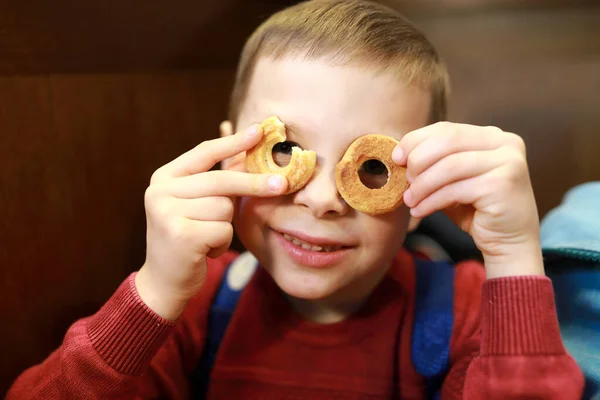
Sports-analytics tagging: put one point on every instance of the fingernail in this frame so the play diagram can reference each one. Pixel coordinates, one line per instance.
(252, 131)
(397, 155)
(275, 182)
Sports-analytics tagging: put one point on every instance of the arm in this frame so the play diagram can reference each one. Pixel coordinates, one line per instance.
(522, 354)
(506, 343)
(125, 350)
(101, 356)
(115, 353)
(479, 177)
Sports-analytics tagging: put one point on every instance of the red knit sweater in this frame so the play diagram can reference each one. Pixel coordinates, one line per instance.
(505, 345)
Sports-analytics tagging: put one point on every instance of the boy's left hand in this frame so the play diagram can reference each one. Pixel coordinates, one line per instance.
(479, 177)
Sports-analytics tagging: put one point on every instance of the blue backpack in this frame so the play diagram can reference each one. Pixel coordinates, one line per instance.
(431, 334)
(570, 236)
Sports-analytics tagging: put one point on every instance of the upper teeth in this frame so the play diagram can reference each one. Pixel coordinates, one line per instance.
(309, 246)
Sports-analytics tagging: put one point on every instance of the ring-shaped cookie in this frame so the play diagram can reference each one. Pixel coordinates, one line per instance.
(354, 192)
(259, 159)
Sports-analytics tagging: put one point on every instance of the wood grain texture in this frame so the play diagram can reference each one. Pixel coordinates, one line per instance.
(82, 128)
(66, 36)
(77, 152)
(534, 73)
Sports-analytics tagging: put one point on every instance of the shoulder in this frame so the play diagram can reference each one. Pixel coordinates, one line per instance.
(459, 285)
(442, 285)
(451, 293)
(191, 328)
(467, 275)
(468, 282)
(469, 278)
(188, 339)
(217, 266)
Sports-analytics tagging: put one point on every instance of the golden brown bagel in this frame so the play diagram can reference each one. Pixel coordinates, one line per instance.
(354, 192)
(259, 159)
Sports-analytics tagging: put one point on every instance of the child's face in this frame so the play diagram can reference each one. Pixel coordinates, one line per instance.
(325, 109)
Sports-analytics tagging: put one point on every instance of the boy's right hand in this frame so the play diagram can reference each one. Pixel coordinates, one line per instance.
(189, 211)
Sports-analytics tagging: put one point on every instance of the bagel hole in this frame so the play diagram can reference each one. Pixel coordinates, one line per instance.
(373, 174)
(282, 153)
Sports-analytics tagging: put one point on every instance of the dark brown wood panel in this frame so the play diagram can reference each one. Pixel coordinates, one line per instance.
(77, 148)
(24, 110)
(446, 7)
(61, 36)
(533, 73)
(553, 107)
(76, 155)
(509, 37)
(67, 36)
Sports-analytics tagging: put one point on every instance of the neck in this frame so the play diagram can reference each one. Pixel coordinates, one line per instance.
(340, 305)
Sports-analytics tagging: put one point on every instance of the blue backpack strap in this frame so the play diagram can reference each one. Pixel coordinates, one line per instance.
(234, 280)
(434, 317)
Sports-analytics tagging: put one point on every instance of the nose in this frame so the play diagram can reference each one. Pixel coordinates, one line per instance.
(321, 195)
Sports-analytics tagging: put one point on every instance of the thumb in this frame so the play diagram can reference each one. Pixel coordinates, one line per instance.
(461, 215)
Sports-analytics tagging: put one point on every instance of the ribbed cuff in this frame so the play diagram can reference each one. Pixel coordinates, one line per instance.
(125, 332)
(519, 317)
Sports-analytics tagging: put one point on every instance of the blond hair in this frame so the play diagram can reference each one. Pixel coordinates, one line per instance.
(346, 32)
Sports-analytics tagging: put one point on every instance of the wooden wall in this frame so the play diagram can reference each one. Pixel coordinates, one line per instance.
(76, 154)
(94, 96)
(535, 72)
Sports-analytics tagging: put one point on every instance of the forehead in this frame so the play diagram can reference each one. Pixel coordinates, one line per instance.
(344, 101)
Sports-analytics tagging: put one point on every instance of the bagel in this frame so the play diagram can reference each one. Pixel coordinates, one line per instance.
(354, 192)
(259, 159)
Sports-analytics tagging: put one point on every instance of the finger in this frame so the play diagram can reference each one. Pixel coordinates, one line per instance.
(204, 156)
(411, 140)
(236, 163)
(442, 144)
(444, 138)
(217, 234)
(462, 192)
(228, 183)
(226, 128)
(217, 252)
(454, 167)
(217, 208)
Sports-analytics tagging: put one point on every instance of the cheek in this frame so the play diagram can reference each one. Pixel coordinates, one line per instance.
(253, 208)
(387, 232)
(251, 216)
(244, 222)
(245, 216)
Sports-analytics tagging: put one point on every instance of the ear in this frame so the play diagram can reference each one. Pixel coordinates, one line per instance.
(234, 163)
(226, 128)
(413, 224)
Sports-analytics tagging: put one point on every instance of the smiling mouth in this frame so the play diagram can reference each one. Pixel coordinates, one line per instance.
(312, 247)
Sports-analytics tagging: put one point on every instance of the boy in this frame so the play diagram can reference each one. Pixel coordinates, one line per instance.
(330, 312)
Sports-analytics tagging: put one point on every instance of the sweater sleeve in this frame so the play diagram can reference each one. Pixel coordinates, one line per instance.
(506, 341)
(124, 351)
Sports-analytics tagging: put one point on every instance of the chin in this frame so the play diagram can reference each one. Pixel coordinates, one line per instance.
(303, 285)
